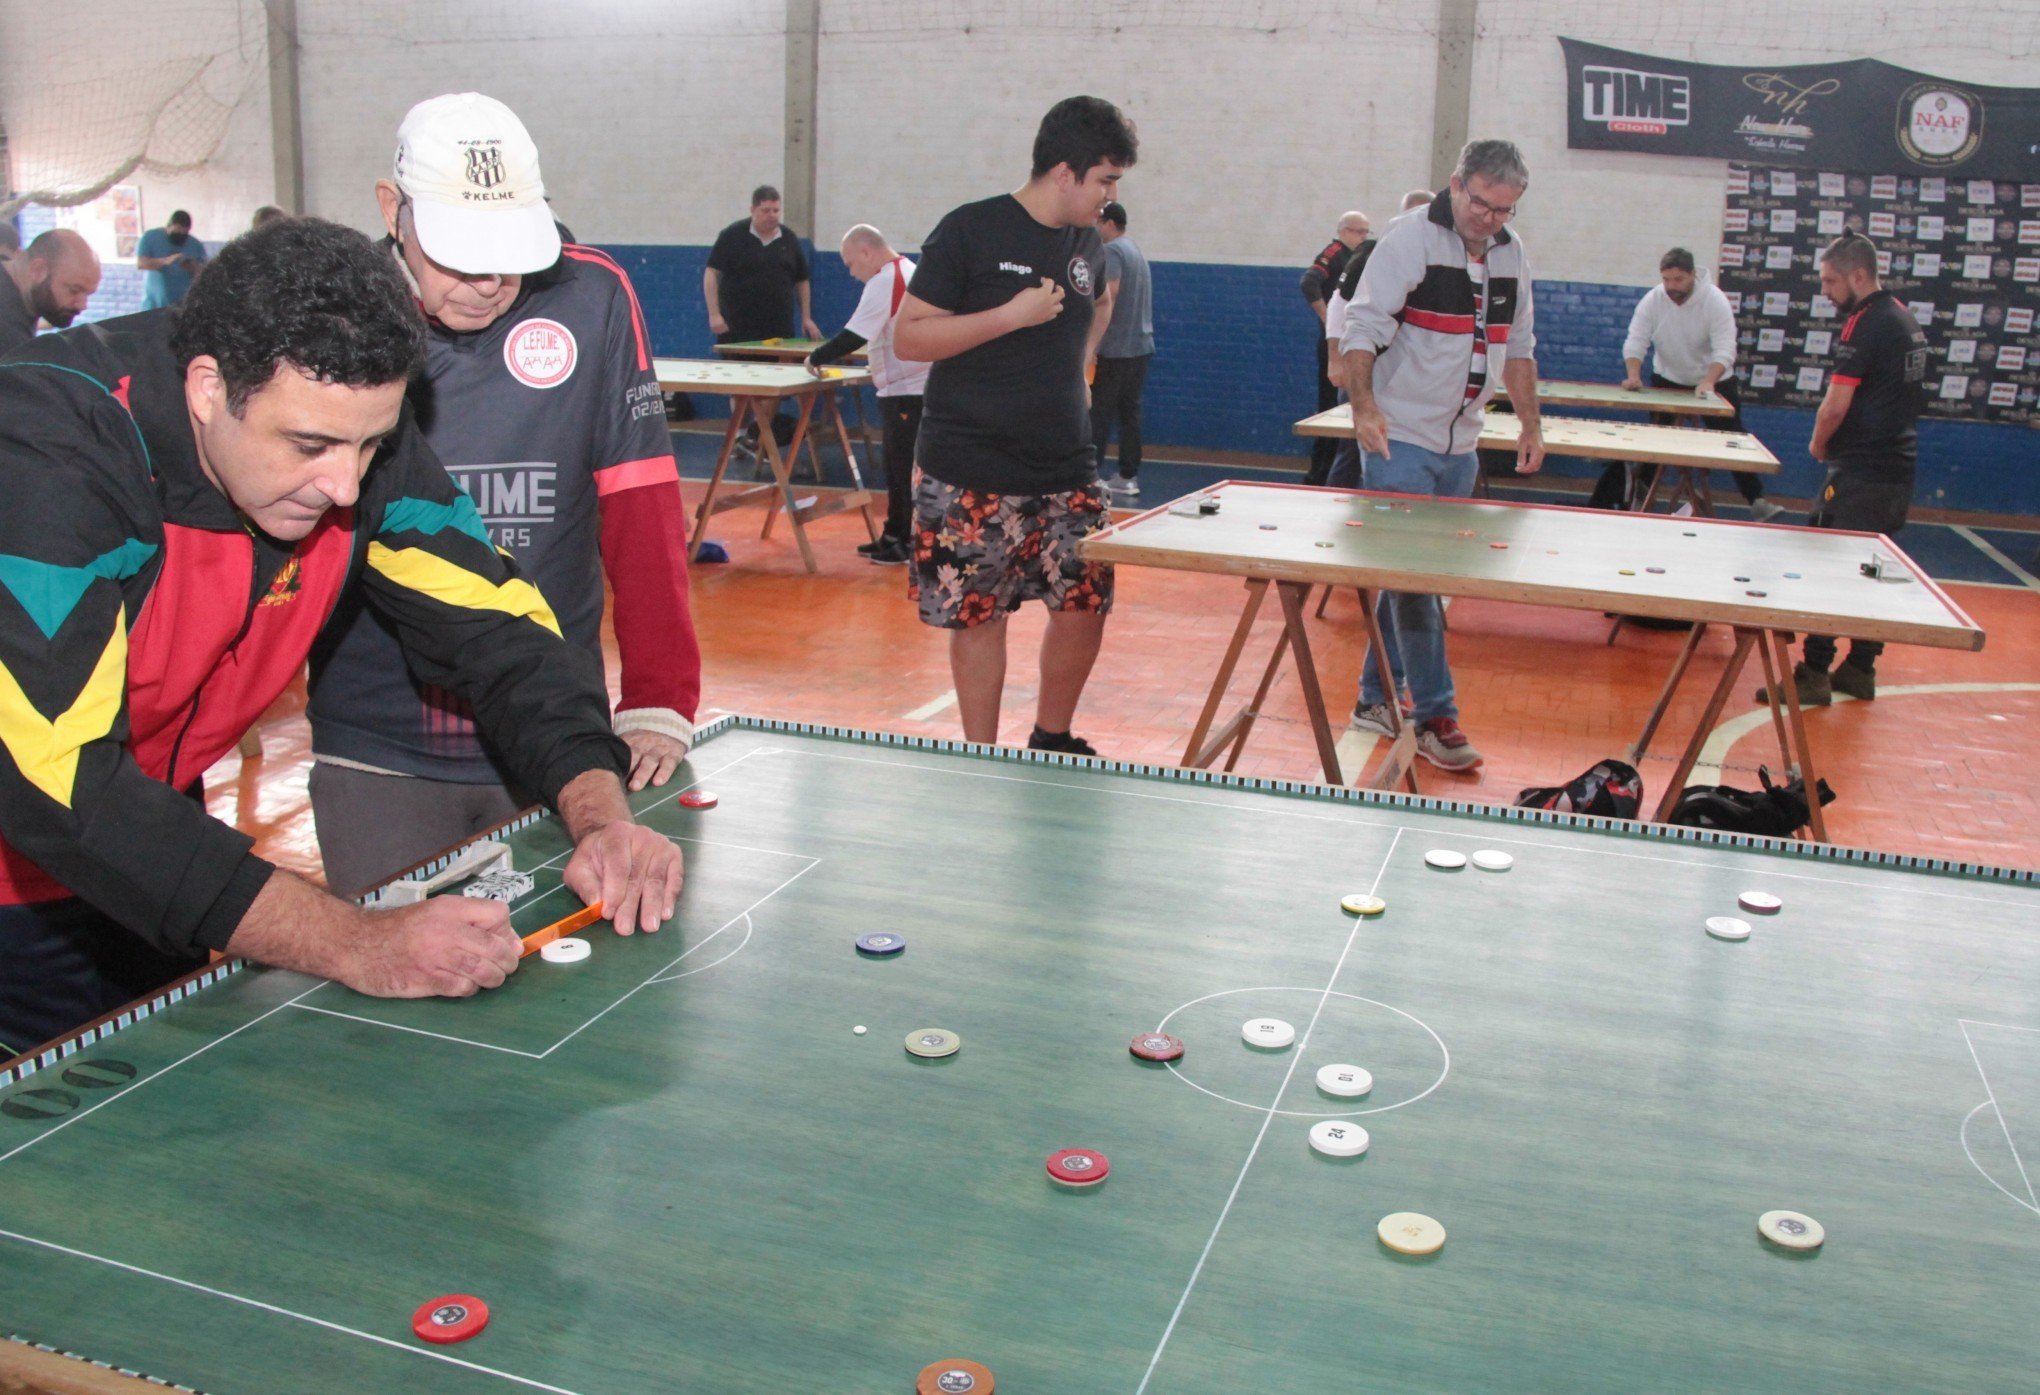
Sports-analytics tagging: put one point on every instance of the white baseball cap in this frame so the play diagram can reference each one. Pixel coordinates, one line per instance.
(470, 170)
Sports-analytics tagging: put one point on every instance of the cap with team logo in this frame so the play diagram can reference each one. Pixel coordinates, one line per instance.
(470, 170)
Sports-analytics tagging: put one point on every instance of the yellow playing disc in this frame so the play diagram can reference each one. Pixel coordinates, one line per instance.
(1409, 1233)
(1360, 904)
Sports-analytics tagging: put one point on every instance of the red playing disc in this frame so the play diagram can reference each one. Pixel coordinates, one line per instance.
(454, 1318)
(697, 799)
(1156, 1046)
(1079, 1167)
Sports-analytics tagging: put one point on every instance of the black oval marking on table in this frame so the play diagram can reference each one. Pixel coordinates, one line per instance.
(101, 1074)
(39, 1104)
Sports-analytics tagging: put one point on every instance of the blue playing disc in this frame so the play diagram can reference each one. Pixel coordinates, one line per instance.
(881, 943)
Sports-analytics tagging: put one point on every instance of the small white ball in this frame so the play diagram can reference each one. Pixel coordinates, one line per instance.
(858, 1030)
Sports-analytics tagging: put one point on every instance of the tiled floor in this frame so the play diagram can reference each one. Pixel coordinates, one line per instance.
(1945, 763)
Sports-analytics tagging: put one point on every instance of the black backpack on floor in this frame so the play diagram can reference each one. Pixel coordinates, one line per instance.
(1612, 789)
(1776, 811)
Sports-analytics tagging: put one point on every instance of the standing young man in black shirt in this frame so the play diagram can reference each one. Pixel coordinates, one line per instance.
(1008, 481)
(1864, 434)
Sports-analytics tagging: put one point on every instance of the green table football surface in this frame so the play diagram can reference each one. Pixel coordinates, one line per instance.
(674, 1167)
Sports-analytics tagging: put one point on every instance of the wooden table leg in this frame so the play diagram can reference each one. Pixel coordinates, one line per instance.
(835, 414)
(1671, 688)
(1701, 487)
(1777, 703)
(1293, 594)
(740, 408)
(782, 471)
(1657, 475)
(1400, 763)
(1745, 640)
(1194, 754)
(1782, 656)
(1232, 737)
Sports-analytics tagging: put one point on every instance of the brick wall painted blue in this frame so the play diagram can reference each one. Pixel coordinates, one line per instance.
(1233, 369)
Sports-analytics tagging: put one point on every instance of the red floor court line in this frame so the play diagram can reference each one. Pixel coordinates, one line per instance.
(1954, 776)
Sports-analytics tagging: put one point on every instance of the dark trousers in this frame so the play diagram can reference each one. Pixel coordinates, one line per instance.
(64, 964)
(1860, 497)
(1611, 491)
(1323, 448)
(1115, 397)
(902, 429)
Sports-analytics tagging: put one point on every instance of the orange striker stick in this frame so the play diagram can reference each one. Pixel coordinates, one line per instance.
(579, 920)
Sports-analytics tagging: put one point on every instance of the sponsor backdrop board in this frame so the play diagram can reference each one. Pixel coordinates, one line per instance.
(1962, 253)
(1860, 115)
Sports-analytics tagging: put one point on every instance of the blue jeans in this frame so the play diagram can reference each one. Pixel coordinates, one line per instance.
(1416, 633)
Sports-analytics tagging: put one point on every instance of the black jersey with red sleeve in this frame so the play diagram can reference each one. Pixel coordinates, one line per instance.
(1883, 356)
(552, 422)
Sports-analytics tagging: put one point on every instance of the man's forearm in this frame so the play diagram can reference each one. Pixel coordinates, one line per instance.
(1635, 367)
(805, 291)
(294, 925)
(1714, 374)
(932, 338)
(1360, 379)
(591, 800)
(1519, 375)
(1317, 308)
(711, 291)
(1824, 423)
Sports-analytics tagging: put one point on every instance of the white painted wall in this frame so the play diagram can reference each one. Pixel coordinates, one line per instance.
(654, 118)
(1252, 144)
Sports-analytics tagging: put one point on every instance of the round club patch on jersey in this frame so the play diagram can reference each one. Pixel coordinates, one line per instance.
(540, 353)
(1080, 274)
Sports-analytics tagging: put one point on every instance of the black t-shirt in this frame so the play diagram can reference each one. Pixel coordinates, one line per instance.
(1009, 416)
(1883, 354)
(1349, 276)
(757, 279)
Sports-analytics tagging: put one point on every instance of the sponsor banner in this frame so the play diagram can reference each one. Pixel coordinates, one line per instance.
(1952, 250)
(1860, 115)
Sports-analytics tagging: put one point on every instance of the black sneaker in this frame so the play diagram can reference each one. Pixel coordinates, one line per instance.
(1060, 741)
(1853, 679)
(866, 549)
(888, 554)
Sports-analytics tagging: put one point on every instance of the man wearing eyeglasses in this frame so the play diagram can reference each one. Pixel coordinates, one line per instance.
(1444, 299)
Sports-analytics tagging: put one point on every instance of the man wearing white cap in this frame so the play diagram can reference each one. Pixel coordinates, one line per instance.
(539, 396)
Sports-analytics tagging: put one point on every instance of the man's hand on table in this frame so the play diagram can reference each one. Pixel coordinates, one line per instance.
(1632, 383)
(447, 947)
(633, 873)
(1370, 429)
(654, 757)
(809, 328)
(1529, 448)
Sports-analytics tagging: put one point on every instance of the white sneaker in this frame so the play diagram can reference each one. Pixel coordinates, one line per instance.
(1372, 718)
(1441, 742)
(1123, 488)
(1765, 510)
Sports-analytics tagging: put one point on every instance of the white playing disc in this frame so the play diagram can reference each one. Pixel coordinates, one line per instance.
(1791, 1230)
(1445, 860)
(1727, 927)
(1338, 1138)
(1346, 1081)
(1762, 902)
(1489, 860)
(567, 951)
(1270, 1032)
(1410, 1233)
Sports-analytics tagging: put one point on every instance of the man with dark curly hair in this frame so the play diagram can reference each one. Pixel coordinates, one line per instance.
(190, 494)
(1008, 480)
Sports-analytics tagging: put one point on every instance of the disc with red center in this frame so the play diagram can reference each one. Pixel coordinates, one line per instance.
(697, 799)
(454, 1318)
(1079, 1167)
(1156, 1046)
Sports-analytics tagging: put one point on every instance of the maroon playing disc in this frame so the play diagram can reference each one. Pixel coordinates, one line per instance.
(1156, 1046)
(1079, 1167)
(697, 799)
(454, 1318)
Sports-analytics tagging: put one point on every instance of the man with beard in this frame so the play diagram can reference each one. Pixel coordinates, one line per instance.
(51, 282)
(1864, 433)
(171, 256)
(1686, 321)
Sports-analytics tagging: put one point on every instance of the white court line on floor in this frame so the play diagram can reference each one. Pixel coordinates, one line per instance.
(2032, 1201)
(1267, 1118)
(258, 1304)
(158, 1075)
(1356, 818)
(1714, 754)
(930, 709)
(1984, 545)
